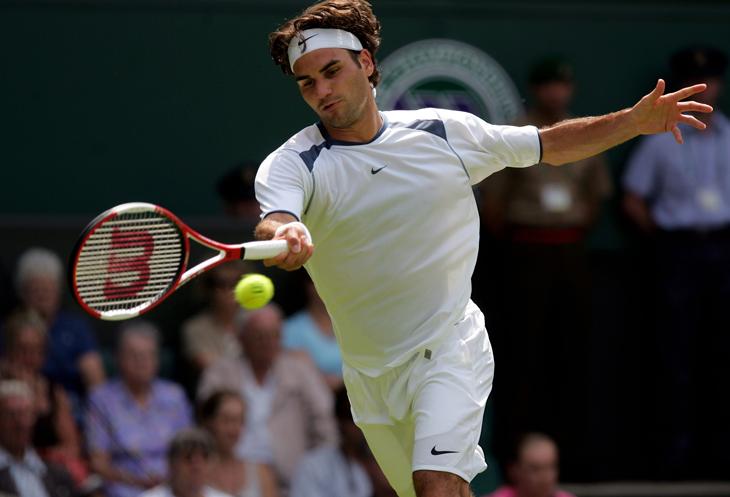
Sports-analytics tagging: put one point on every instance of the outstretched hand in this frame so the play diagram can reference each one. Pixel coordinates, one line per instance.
(657, 112)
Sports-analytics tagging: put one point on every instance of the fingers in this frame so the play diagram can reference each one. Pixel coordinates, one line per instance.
(692, 121)
(292, 238)
(677, 134)
(688, 91)
(693, 106)
(290, 261)
(657, 92)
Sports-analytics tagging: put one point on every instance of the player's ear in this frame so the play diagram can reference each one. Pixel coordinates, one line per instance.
(366, 62)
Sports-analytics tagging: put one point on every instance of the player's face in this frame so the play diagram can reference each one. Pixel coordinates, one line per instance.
(334, 85)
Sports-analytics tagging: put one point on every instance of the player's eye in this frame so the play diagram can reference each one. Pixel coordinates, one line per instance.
(331, 72)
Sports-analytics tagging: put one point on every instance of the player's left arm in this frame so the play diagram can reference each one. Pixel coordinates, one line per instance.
(576, 139)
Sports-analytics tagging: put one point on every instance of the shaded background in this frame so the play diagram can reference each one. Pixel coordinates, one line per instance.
(104, 102)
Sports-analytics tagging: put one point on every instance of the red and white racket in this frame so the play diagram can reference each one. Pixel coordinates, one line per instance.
(133, 256)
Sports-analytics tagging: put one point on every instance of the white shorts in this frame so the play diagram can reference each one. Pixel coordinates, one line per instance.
(427, 413)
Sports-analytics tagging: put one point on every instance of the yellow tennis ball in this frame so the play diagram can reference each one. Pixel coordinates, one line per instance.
(253, 291)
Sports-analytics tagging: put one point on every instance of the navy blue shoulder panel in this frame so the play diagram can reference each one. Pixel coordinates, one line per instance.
(433, 126)
(309, 156)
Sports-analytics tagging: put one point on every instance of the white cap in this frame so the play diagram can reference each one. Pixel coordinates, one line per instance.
(313, 39)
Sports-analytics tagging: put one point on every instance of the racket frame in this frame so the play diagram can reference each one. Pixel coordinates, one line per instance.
(184, 274)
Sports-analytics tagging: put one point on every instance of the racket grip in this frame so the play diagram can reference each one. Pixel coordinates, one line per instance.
(264, 249)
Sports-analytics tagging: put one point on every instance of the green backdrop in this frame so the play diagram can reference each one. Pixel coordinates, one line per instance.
(109, 101)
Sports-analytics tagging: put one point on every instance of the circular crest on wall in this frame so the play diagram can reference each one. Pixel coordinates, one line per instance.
(448, 74)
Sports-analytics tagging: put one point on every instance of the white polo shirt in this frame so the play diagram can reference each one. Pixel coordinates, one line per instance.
(394, 223)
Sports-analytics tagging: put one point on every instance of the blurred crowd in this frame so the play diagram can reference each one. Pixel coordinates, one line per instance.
(261, 410)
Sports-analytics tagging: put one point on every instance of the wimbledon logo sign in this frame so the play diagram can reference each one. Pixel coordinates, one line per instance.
(448, 74)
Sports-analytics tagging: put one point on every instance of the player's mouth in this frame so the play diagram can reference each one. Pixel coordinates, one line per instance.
(330, 105)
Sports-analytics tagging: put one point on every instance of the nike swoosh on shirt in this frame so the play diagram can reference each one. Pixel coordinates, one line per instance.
(376, 171)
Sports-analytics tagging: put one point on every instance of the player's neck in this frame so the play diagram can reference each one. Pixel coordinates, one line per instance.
(363, 130)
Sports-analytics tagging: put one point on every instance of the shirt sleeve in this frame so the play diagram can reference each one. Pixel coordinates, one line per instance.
(97, 424)
(485, 148)
(640, 176)
(283, 184)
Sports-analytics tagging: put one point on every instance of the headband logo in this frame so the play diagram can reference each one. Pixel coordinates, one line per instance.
(303, 42)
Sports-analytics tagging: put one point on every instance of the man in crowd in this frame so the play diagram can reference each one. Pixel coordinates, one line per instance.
(543, 215)
(681, 196)
(131, 420)
(289, 405)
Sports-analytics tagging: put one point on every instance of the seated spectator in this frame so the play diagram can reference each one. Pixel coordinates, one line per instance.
(533, 471)
(22, 473)
(211, 334)
(223, 415)
(55, 435)
(335, 471)
(289, 406)
(131, 420)
(310, 331)
(73, 360)
(188, 458)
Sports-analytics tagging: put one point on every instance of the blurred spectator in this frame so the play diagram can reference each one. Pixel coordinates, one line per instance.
(73, 359)
(335, 471)
(223, 415)
(189, 459)
(22, 473)
(533, 469)
(310, 331)
(544, 215)
(236, 190)
(289, 406)
(55, 435)
(211, 334)
(681, 194)
(131, 420)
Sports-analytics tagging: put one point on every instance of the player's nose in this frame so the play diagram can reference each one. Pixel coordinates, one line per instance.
(324, 89)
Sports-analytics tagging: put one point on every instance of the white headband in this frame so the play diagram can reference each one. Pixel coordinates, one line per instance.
(314, 39)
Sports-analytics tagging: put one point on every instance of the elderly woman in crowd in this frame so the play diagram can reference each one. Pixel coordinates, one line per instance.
(222, 414)
(55, 435)
(73, 360)
(131, 420)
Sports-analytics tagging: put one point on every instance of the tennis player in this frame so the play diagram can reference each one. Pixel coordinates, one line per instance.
(387, 198)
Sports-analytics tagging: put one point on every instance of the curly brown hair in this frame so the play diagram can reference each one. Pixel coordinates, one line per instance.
(355, 16)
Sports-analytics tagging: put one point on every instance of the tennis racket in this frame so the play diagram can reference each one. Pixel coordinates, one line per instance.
(133, 256)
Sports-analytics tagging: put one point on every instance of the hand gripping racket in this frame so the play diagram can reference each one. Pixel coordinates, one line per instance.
(133, 256)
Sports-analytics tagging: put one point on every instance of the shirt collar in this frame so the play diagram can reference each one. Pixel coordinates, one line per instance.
(30, 460)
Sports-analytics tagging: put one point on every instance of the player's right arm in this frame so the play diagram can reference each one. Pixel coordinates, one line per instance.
(284, 226)
(284, 185)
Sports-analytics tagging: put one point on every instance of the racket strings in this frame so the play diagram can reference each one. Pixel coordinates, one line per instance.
(129, 261)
